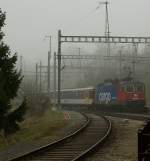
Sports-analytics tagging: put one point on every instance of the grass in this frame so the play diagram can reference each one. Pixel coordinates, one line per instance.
(147, 87)
(35, 128)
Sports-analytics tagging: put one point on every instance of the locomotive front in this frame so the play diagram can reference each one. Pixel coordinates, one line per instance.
(132, 93)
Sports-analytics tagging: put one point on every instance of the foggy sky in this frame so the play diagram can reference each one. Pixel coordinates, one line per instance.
(28, 21)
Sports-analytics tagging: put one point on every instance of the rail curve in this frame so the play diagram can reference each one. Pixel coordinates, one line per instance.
(75, 146)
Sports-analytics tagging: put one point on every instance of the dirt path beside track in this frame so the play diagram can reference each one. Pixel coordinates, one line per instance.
(122, 144)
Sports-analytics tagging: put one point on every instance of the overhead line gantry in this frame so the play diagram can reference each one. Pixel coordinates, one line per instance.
(93, 39)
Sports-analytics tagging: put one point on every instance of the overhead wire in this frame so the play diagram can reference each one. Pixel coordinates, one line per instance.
(82, 20)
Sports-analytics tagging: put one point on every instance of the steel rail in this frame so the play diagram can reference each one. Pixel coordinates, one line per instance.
(139, 117)
(132, 116)
(92, 148)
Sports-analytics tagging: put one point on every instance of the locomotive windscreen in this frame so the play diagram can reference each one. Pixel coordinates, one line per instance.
(133, 87)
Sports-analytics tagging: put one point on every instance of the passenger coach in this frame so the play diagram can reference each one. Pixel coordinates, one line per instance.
(78, 96)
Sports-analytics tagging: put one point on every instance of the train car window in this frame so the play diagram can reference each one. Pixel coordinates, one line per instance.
(77, 93)
(90, 94)
(139, 88)
(73, 95)
(64, 94)
(130, 88)
(81, 94)
(70, 94)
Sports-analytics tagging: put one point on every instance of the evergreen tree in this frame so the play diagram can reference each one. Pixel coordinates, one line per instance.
(10, 80)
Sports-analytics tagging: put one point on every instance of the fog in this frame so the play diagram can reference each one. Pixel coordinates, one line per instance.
(29, 21)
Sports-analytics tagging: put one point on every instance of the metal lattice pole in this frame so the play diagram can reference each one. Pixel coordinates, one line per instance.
(59, 67)
(55, 78)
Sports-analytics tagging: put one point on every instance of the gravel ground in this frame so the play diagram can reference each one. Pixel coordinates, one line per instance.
(77, 120)
(122, 144)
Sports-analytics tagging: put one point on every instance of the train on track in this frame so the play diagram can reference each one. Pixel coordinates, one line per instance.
(121, 93)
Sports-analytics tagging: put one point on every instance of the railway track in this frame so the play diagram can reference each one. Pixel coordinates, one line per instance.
(139, 117)
(134, 116)
(108, 111)
(76, 146)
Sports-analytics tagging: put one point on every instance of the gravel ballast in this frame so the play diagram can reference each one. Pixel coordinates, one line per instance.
(122, 144)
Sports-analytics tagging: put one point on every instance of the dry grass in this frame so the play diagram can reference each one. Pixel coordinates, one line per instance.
(35, 128)
(147, 87)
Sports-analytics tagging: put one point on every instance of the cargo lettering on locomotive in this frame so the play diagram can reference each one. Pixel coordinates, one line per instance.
(105, 97)
(105, 94)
